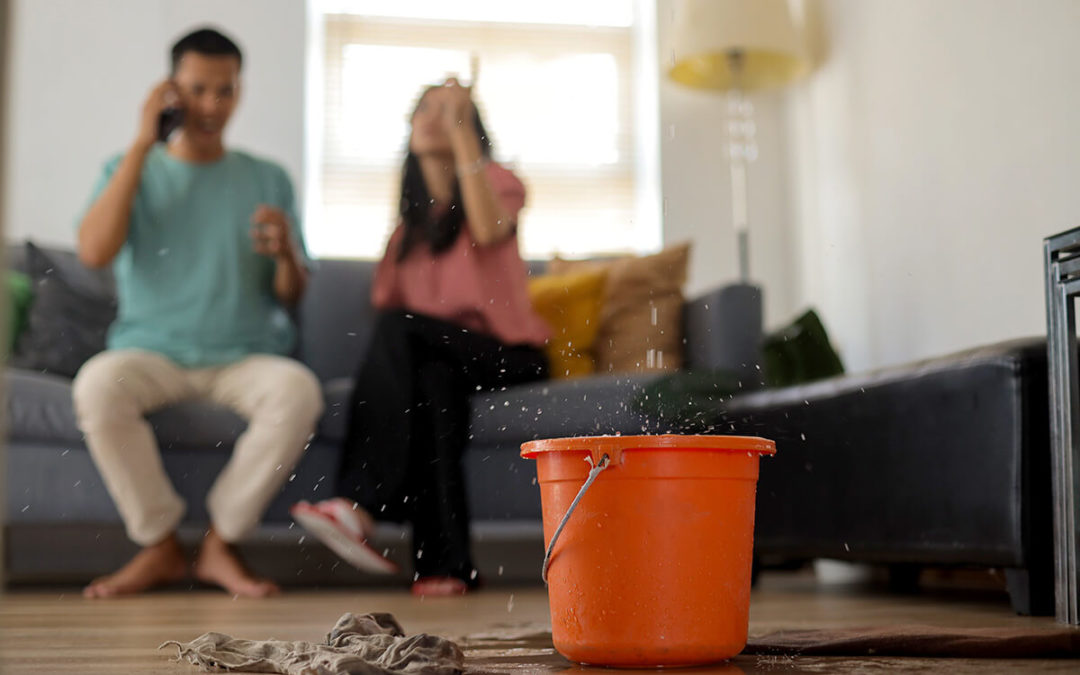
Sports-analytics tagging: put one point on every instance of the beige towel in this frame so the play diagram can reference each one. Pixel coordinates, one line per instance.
(370, 644)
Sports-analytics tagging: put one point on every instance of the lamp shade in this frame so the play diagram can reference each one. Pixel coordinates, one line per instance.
(766, 35)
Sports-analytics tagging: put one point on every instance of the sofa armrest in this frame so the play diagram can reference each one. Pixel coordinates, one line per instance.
(723, 330)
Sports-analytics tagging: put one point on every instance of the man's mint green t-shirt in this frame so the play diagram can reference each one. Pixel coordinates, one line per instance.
(189, 283)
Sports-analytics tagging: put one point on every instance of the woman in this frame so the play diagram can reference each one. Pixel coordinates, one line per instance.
(455, 318)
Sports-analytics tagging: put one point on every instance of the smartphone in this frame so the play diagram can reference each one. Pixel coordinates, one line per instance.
(169, 121)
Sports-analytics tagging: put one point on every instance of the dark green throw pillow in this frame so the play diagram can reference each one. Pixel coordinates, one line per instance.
(800, 352)
(20, 295)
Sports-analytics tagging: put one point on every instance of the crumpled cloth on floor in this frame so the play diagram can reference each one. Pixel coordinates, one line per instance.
(369, 644)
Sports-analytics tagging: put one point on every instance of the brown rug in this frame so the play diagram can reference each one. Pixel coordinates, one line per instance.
(922, 641)
(512, 650)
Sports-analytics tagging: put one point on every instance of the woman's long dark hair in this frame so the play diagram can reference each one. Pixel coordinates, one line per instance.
(439, 233)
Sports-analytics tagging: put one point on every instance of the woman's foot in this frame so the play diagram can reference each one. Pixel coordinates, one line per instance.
(345, 529)
(219, 565)
(439, 587)
(157, 565)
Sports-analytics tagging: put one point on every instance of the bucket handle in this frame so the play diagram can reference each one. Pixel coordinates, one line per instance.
(604, 462)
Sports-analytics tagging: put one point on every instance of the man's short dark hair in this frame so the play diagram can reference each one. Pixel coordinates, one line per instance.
(208, 42)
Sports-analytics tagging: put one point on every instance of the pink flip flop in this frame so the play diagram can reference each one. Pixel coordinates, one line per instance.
(439, 587)
(336, 523)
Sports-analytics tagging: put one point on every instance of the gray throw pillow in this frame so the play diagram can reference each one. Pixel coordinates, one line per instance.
(68, 319)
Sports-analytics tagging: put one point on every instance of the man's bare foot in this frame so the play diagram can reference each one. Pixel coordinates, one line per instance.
(157, 565)
(219, 565)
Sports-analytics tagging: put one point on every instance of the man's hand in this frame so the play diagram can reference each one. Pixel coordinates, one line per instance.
(162, 96)
(271, 233)
(104, 228)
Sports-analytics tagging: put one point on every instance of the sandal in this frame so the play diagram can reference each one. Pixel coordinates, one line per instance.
(345, 529)
(439, 587)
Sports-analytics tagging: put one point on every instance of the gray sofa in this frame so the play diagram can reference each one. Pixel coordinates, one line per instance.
(61, 525)
(944, 462)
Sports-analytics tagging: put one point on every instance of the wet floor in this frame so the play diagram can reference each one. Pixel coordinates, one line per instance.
(503, 630)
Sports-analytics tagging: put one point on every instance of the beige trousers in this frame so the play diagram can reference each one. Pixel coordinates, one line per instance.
(279, 397)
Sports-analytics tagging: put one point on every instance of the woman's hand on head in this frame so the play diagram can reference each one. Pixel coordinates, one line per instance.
(457, 106)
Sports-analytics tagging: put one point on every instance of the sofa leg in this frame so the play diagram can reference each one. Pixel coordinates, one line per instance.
(904, 577)
(1030, 594)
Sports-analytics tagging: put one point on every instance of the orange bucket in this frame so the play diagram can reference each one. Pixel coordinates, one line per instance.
(652, 567)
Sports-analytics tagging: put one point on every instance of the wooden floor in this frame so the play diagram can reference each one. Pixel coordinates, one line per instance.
(58, 632)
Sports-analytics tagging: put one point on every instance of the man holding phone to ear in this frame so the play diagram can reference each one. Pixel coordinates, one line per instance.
(208, 257)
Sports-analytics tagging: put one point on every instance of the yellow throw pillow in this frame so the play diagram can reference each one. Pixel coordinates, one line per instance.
(641, 319)
(571, 304)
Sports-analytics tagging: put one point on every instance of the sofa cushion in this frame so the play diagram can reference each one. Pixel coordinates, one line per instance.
(39, 407)
(69, 316)
(601, 404)
(577, 407)
(335, 419)
(50, 484)
(336, 317)
(40, 410)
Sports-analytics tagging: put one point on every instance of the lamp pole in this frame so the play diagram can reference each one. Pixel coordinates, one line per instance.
(742, 149)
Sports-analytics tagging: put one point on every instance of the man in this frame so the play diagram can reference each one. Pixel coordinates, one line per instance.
(207, 254)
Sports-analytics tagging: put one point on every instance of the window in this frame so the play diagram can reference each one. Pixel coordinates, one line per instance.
(554, 84)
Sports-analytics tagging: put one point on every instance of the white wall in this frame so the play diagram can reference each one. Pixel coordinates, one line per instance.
(930, 155)
(80, 70)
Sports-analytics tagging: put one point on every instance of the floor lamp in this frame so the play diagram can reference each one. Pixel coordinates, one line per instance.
(737, 46)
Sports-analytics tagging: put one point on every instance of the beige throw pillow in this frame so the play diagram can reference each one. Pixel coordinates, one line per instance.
(641, 319)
